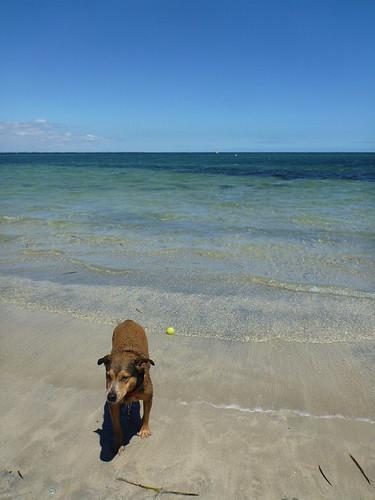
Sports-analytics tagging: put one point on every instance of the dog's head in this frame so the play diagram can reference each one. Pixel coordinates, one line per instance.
(123, 374)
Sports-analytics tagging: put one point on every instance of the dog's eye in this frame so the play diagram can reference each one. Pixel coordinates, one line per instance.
(124, 379)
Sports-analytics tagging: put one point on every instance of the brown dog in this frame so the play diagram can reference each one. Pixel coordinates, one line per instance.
(127, 375)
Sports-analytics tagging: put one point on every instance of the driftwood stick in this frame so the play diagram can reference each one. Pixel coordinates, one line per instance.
(325, 477)
(360, 468)
(157, 489)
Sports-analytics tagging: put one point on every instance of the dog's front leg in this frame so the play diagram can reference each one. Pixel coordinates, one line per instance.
(116, 424)
(145, 429)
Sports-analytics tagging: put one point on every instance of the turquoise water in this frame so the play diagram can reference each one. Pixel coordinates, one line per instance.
(250, 236)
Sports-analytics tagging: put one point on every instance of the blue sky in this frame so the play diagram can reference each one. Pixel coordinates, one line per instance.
(187, 75)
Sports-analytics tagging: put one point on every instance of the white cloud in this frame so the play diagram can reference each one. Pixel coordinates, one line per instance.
(42, 135)
(91, 137)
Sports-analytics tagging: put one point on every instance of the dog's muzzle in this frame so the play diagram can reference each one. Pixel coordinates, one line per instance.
(112, 397)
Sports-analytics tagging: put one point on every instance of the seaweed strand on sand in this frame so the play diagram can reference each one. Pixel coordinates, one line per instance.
(158, 489)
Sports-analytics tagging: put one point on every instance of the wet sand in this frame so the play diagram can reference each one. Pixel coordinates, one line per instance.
(230, 420)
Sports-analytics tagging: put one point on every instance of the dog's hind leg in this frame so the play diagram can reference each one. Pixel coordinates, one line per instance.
(116, 424)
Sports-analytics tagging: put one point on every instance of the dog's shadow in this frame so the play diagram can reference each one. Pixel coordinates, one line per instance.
(130, 418)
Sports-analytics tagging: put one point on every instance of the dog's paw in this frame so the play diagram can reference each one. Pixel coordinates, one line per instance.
(117, 445)
(120, 451)
(144, 432)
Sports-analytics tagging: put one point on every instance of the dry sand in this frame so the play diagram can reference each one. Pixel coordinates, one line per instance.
(229, 421)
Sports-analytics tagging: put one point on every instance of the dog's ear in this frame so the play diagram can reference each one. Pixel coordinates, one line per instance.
(141, 363)
(105, 359)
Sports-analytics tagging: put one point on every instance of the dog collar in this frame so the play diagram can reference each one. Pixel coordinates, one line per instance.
(130, 395)
(137, 387)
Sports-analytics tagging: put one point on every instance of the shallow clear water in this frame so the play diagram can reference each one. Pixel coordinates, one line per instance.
(237, 235)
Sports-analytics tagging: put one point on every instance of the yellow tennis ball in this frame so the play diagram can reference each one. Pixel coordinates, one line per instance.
(169, 330)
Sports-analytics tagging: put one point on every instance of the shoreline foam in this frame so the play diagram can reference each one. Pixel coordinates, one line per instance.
(261, 316)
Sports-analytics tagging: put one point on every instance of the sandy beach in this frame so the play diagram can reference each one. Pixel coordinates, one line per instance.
(230, 420)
